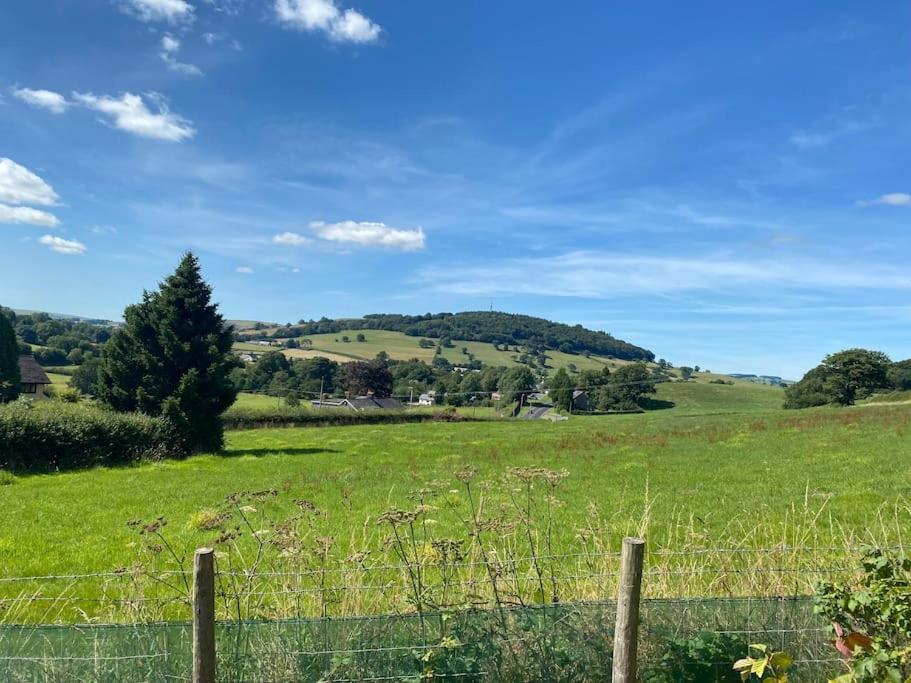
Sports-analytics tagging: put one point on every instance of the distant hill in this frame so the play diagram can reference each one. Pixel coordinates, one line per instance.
(491, 327)
(773, 380)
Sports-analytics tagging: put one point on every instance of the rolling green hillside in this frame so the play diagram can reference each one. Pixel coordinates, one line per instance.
(400, 346)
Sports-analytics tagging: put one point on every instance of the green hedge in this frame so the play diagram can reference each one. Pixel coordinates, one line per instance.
(243, 418)
(55, 436)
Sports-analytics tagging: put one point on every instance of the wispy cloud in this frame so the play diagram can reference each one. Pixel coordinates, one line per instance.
(367, 234)
(244, 270)
(170, 46)
(891, 199)
(45, 99)
(171, 11)
(348, 26)
(291, 239)
(62, 246)
(130, 113)
(27, 216)
(603, 275)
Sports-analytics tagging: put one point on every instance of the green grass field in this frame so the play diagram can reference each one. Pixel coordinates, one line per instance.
(400, 346)
(725, 467)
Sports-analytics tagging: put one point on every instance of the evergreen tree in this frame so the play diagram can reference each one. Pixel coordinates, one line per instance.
(173, 357)
(9, 361)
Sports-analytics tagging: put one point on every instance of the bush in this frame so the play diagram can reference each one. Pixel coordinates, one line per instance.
(54, 436)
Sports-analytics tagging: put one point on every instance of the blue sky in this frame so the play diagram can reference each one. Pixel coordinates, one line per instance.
(724, 183)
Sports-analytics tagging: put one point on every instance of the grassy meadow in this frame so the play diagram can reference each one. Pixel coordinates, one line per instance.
(724, 467)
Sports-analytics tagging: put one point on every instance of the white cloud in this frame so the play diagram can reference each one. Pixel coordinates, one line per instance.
(370, 234)
(62, 246)
(891, 199)
(170, 46)
(18, 185)
(45, 99)
(103, 230)
(349, 26)
(246, 270)
(354, 27)
(172, 11)
(130, 113)
(28, 216)
(605, 275)
(291, 239)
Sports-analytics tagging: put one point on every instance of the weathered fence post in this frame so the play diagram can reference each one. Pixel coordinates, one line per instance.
(204, 616)
(626, 628)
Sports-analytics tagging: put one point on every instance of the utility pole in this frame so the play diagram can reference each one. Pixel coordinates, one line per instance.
(320, 403)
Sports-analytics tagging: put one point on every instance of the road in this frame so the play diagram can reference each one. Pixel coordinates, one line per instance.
(536, 413)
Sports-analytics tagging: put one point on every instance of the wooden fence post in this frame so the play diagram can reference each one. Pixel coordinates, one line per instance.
(626, 628)
(204, 616)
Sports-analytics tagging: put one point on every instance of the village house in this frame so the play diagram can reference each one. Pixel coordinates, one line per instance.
(33, 379)
(581, 401)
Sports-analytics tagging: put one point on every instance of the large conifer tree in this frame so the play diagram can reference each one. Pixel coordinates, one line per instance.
(173, 357)
(9, 361)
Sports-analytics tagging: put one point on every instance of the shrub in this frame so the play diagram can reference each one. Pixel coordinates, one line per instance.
(703, 657)
(54, 436)
(871, 621)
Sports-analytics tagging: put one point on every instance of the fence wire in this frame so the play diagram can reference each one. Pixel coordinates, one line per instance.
(681, 641)
(476, 620)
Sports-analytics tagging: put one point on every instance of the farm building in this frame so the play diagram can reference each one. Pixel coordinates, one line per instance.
(358, 404)
(33, 378)
(581, 401)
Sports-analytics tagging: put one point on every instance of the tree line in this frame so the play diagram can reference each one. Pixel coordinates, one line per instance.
(848, 376)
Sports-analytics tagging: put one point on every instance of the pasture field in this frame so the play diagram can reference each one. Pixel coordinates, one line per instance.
(400, 346)
(724, 468)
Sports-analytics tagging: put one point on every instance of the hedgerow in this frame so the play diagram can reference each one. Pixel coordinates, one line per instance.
(287, 416)
(54, 435)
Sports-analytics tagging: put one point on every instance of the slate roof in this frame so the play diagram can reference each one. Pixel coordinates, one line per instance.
(369, 402)
(31, 372)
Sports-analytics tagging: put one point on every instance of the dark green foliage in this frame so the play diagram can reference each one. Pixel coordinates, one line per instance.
(173, 358)
(50, 356)
(484, 326)
(627, 388)
(56, 435)
(685, 372)
(701, 658)
(9, 361)
(560, 389)
(900, 375)
(362, 378)
(855, 373)
(872, 621)
(841, 379)
(285, 416)
(516, 383)
(85, 377)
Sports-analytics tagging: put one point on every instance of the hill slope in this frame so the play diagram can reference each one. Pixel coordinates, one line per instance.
(491, 327)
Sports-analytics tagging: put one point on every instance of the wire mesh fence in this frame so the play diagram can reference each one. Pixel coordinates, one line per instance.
(494, 619)
(571, 642)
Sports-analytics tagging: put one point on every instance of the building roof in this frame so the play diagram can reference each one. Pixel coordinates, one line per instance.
(370, 402)
(577, 393)
(31, 372)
